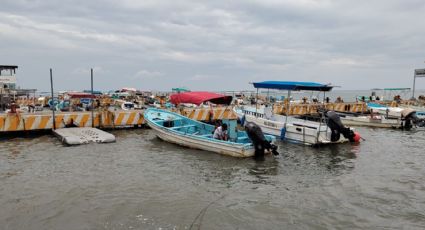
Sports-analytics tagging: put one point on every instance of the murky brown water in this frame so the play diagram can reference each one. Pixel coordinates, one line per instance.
(140, 182)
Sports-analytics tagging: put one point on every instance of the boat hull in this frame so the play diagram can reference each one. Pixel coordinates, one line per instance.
(371, 122)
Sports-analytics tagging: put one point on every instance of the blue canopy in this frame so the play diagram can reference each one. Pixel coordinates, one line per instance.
(292, 85)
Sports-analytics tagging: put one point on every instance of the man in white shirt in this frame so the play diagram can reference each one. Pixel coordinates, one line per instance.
(220, 133)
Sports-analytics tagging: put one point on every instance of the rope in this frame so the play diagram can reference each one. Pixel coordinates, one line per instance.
(201, 214)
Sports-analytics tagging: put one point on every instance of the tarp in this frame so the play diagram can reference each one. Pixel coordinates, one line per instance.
(200, 97)
(292, 85)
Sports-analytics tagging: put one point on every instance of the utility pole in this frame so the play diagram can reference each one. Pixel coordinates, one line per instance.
(53, 99)
(92, 99)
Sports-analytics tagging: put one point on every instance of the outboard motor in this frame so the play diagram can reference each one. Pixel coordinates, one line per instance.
(410, 119)
(259, 141)
(337, 128)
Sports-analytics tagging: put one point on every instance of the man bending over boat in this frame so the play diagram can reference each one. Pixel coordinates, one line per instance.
(220, 132)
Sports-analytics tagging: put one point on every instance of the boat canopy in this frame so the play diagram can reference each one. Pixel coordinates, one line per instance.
(395, 89)
(292, 85)
(180, 89)
(199, 98)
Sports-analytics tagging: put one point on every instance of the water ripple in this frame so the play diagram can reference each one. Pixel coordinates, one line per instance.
(141, 182)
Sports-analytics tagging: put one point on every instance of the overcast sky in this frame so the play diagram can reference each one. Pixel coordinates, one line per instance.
(212, 45)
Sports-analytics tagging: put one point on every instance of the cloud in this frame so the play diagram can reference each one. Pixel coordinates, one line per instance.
(201, 77)
(347, 62)
(145, 74)
(193, 41)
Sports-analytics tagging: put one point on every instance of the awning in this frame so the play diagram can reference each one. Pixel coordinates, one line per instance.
(292, 85)
(200, 97)
(396, 89)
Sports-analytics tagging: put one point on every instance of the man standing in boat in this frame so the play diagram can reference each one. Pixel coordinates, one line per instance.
(220, 133)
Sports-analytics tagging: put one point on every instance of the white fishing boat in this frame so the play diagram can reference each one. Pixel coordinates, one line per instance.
(377, 121)
(391, 112)
(408, 118)
(396, 112)
(177, 129)
(294, 129)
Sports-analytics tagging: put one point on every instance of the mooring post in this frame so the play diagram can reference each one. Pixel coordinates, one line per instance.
(53, 99)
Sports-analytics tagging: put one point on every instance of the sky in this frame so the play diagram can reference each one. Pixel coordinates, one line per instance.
(212, 45)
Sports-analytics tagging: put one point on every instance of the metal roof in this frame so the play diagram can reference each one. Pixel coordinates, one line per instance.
(2, 67)
(292, 85)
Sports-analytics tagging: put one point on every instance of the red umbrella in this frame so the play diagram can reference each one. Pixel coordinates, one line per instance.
(200, 97)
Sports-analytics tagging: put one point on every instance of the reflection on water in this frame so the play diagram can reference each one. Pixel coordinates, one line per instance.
(141, 182)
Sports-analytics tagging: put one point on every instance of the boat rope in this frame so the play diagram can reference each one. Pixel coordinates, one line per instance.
(201, 214)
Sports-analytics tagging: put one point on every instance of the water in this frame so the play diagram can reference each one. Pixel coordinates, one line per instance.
(141, 182)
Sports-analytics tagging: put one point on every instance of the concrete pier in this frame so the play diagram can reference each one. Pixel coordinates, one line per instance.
(19, 122)
(84, 135)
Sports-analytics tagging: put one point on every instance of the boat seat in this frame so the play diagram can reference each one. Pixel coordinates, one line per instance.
(242, 138)
(184, 126)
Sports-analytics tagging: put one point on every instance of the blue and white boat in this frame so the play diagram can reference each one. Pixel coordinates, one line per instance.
(395, 112)
(288, 127)
(178, 129)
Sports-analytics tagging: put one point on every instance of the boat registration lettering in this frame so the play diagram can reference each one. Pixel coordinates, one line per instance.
(271, 124)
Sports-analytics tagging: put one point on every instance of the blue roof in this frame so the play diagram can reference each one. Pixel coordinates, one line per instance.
(292, 85)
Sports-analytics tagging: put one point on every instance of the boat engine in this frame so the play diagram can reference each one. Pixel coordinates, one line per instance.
(337, 128)
(410, 119)
(258, 139)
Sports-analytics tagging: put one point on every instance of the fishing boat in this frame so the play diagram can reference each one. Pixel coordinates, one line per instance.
(392, 112)
(395, 112)
(381, 116)
(291, 128)
(178, 129)
(376, 121)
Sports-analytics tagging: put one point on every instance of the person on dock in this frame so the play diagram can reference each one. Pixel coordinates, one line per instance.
(31, 108)
(220, 133)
